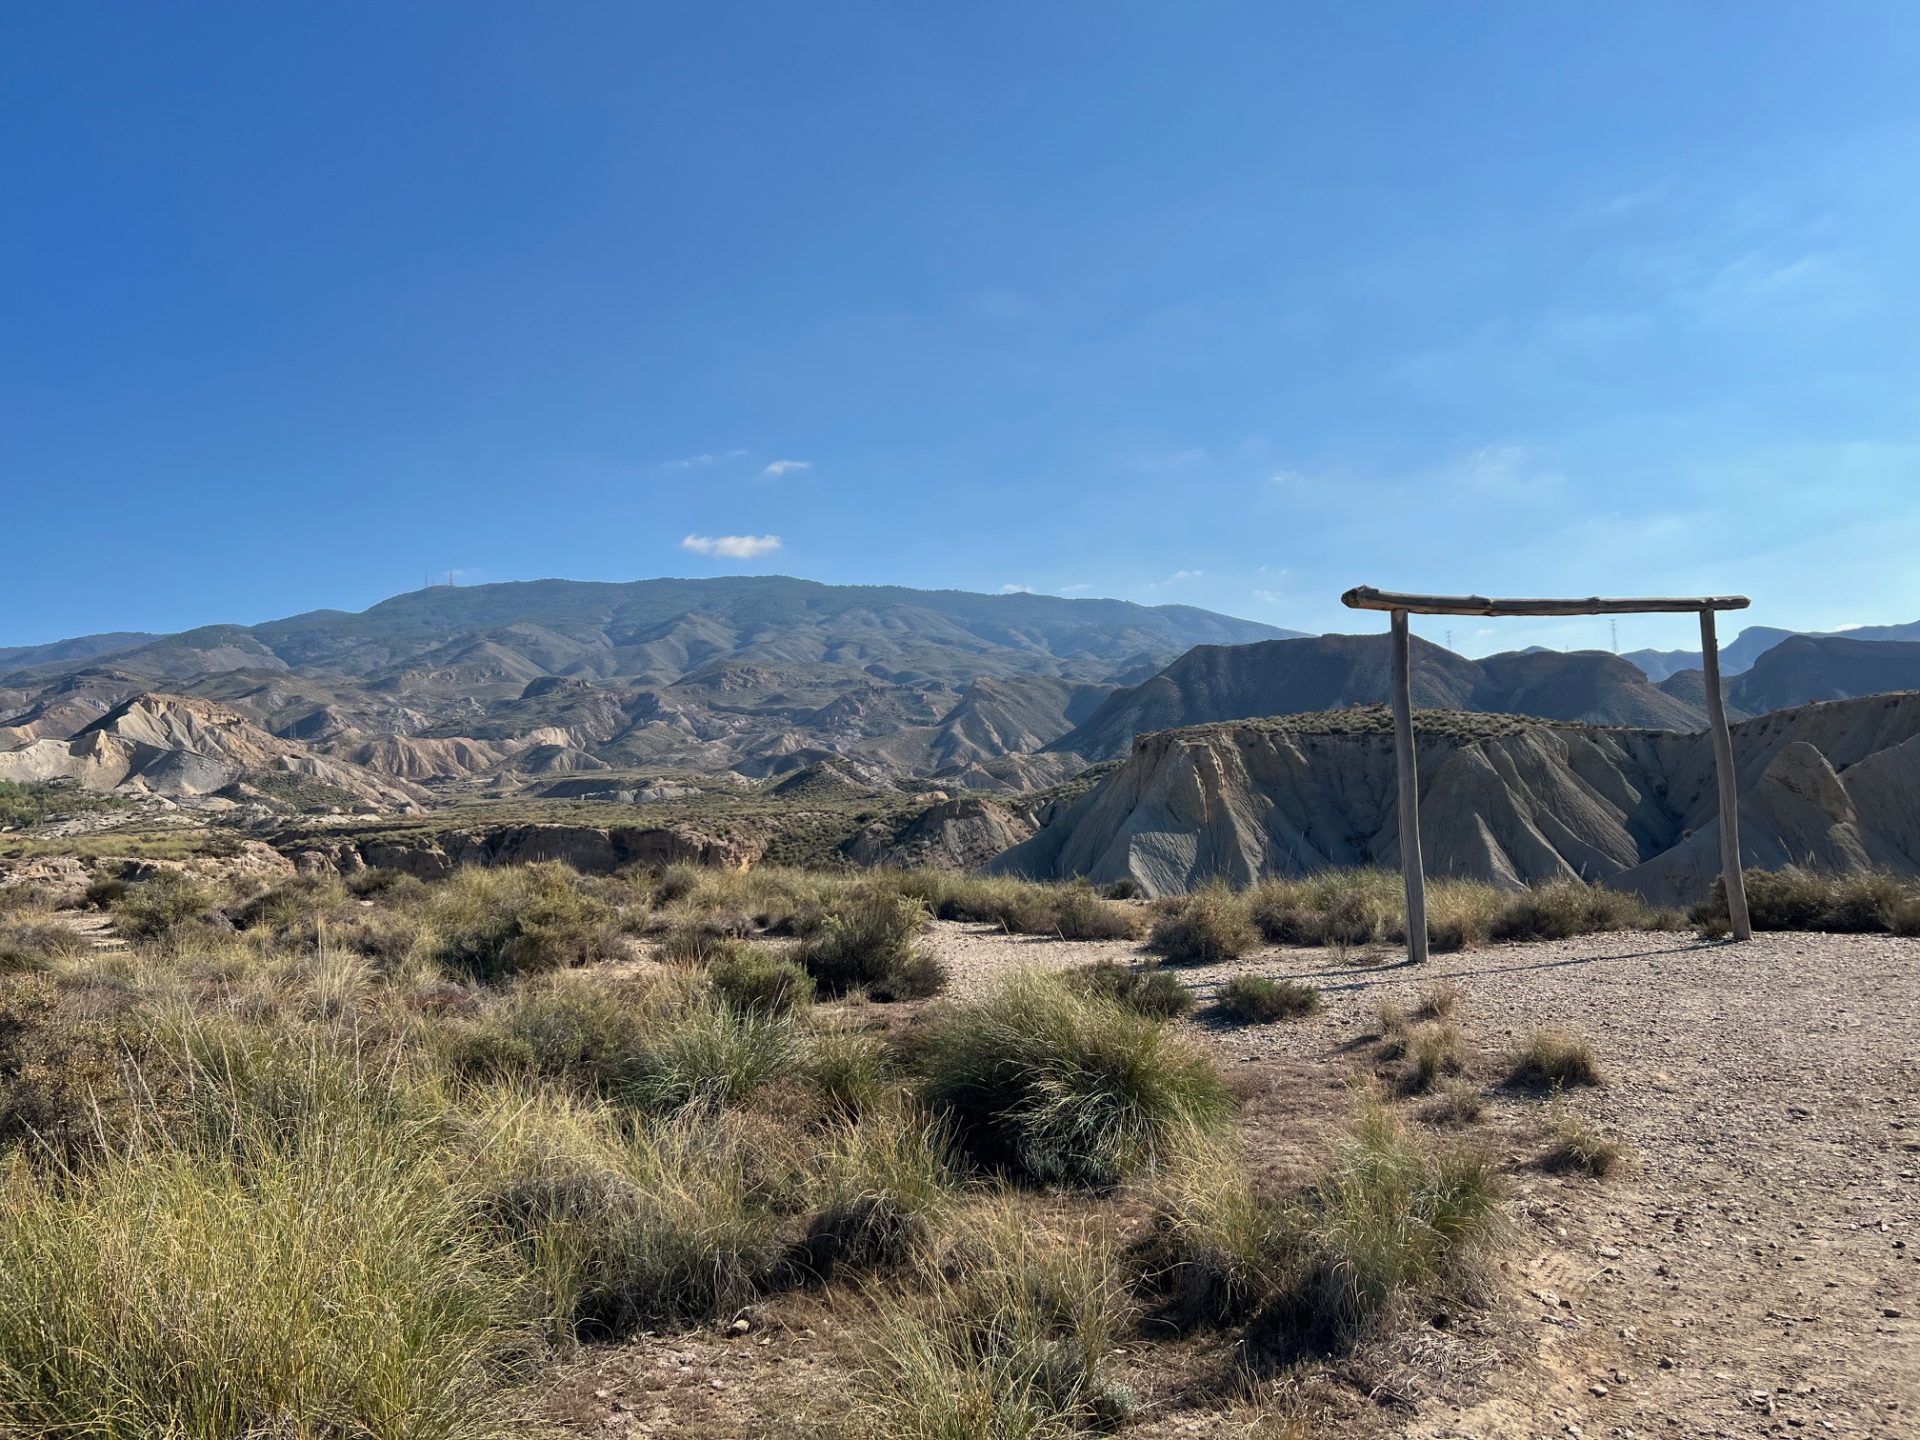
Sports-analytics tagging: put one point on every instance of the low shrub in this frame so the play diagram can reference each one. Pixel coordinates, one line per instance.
(35, 945)
(1457, 1104)
(161, 903)
(1581, 1144)
(1391, 1221)
(1015, 1340)
(880, 1188)
(872, 942)
(1435, 1050)
(619, 1225)
(1208, 927)
(1564, 908)
(331, 1288)
(292, 905)
(1257, 1000)
(1554, 1059)
(1144, 989)
(1437, 1001)
(492, 924)
(1064, 1086)
(1213, 1250)
(751, 979)
(707, 1054)
(1799, 899)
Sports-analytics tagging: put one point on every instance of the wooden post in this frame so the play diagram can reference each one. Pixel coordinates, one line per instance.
(1736, 883)
(1407, 768)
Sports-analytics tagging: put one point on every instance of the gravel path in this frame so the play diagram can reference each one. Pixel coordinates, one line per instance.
(1753, 1270)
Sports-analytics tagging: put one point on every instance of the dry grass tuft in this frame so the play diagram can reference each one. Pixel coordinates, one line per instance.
(1555, 1059)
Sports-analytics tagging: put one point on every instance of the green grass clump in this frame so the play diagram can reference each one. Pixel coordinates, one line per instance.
(1144, 989)
(752, 979)
(851, 1072)
(1580, 1144)
(706, 1053)
(161, 903)
(619, 1225)
(1798, 899)
(1065, 1086)
(1564, 908)
(1069, 911)
(1554, 1059)
(1257, 1000)
(1015, 1341)
(1208, 927)
(871, 942)
(1390, 1221)
(491, 924)
(335, 1287)
(35, 945)
(882, 1184)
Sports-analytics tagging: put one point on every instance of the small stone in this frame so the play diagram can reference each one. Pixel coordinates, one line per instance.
(1609, 1252)
(741, 1326)
(1597, 1389)
(1891, 1312)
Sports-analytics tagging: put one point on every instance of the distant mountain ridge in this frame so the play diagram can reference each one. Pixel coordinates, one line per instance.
(1740, 653)
(1216, 683)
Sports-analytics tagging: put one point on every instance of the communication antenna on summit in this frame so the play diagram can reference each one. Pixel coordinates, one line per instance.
(1399, 607)
(1614, 627)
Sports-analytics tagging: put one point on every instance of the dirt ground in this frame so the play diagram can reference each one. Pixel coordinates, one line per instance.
(1750, 1271)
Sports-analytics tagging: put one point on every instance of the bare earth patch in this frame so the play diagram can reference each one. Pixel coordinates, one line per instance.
(1749, 1269)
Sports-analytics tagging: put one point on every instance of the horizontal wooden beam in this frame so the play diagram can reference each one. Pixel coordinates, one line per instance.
(1365, 597)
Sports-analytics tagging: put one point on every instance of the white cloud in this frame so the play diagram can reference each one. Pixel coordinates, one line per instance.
(1075, 589)
(732, 547)
(700, 461)
(1269, 597)
(777, 468)
(1016, 589)
(1175, 578)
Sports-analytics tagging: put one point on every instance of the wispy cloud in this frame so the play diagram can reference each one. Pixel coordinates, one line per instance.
(1075, 589)
(1175, 578)
(1016, 589)
(731, 547)
(700, 461)
(1267, 597)
(774, 469)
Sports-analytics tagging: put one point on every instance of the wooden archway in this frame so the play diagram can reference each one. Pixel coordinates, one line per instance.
(1365, 597)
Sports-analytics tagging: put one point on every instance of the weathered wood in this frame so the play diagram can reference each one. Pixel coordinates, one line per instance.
(1365, 597)
(1741, 923)
(1411, 869)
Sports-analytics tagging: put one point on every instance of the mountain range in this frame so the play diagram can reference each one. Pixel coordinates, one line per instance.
(589, 690)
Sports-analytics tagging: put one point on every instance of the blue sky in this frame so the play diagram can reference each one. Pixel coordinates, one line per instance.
(1232, 305)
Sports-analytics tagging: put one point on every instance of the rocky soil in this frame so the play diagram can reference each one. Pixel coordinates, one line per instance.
(1755, 1267)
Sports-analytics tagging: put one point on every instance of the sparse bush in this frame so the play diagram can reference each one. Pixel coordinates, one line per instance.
(1565, 908)
(1257, 1000)
(104, 890)
(333, 1287)
(1797, 899)
(566, 1027)
(1435, 1049)
(1390, 1221)
(161, 903)
(1438, 1001)
(1080, 914)
(872, 942)
(1581, 1144)
(1144, 989)
(1064, 1086)
(292, 905)
(1208, 927)
(707, 1054)
(1014, 1342)
(494, 923)
(1553, 1059)
(1458, 1103)
(881, 1187)
(621, 1225)
(29, 945)
(849, 1070)
(750, 979)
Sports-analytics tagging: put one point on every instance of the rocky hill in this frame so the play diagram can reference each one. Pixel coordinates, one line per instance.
(1746, 648)
(1504, 799)
(1328, 672)
(192, 750)
(756, 674)
(1804, 668)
